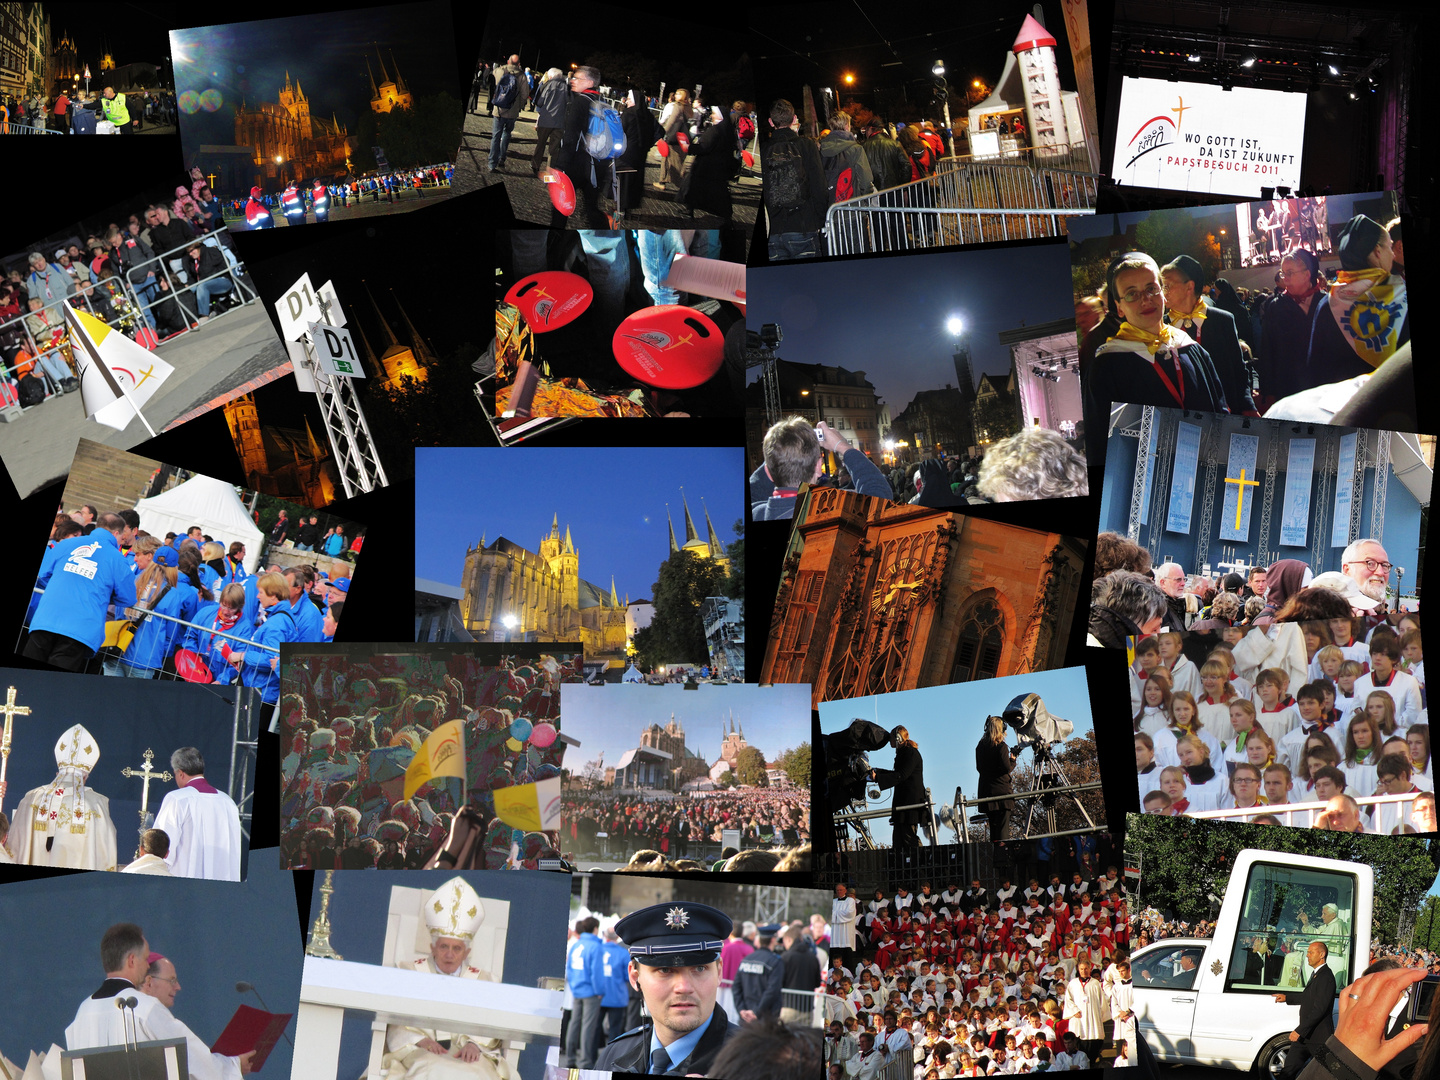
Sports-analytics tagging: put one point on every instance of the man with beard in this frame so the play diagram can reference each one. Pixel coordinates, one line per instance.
(675, 964)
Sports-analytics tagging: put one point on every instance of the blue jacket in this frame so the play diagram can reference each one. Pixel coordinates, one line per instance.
(87, 575)
(208, 577)
(310, 624)
(235, 573)
(209, 646)
(583, 967)
(614, 967)
(155, 639)
(47, 563)
(335, 544)
(279, 627)
(250, 613)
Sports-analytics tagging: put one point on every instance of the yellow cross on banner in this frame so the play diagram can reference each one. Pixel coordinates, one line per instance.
(1242, 484)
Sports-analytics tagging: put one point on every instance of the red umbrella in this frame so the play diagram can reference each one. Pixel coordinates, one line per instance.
(669, 346)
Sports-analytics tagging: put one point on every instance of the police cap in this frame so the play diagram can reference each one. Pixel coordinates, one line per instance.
(678, 934)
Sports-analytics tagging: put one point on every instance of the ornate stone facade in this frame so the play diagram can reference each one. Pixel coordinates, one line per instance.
(306, 146)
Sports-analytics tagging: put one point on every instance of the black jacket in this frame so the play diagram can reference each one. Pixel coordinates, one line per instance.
(308, 534)
(211, 262)
(809, 216)
(630, 1052)
(1285, 330)
(935, 485)
(713, 163)
(572, 157)
(1332, 359)
(802, 969)
(1218, 336)
(908, 780)
(1110, 628)
(993, 763)
(165, 237)
(641, 133)
(889, 164)
(1317, 1001)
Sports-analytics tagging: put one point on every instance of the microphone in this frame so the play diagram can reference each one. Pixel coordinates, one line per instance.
(243, 987)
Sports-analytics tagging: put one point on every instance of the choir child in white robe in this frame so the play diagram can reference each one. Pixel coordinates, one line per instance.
(1384, 674)
(1183, 673)
(125, 956)
(64, 823)
(1122, 1001)
(452, 915)
(202, 822)
(154, 846)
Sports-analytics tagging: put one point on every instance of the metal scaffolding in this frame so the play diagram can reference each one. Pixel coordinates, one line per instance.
(772, 904)
(1382, 479)
(1272, 461)
(1210, 452)
(1357, 500)
(1142, 470)
(1164, 454)
(356, 458)
(1321, 540)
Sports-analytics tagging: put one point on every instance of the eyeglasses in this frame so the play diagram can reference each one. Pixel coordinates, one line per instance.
(169, 979)
(1134, 296)
(1245, 780)
(1372, 565)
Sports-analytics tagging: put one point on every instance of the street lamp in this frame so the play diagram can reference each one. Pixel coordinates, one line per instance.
(849, 79)
(510, 622)
(939, 68)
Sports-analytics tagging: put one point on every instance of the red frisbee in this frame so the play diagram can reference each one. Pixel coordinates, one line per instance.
(550, 299)
(683, 140)
(562, 191)
(748, 158)
(670, 346)
(663, 148)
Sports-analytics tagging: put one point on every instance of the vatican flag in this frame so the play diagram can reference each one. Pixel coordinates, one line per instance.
(117, 376)
(532, 807)
(443, 754)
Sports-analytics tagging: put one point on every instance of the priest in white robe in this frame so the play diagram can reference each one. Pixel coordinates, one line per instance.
(842, 921)
(64, 823)
(125, 955)
(154, 846)
(202, 822)
(1083, 1007)
(452, 915)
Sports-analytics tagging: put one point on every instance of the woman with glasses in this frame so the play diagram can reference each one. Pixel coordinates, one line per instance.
(1145, 361)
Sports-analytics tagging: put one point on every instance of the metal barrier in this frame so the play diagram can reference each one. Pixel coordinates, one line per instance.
(1288, 811)
(962, 202)
(12, 128)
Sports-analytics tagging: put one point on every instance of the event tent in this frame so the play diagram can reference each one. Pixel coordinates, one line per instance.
(213, 505)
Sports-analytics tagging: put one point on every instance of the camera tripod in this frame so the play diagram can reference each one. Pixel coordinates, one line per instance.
(1048, 775)
(849, 819)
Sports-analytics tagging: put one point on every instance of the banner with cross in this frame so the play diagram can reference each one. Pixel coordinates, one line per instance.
(1241, 484)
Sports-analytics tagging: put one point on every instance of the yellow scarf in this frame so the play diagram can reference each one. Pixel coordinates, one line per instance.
(1196, 316)
(1153, 342)
(1369, 306)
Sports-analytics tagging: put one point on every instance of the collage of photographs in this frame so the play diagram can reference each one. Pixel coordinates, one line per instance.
(985, 530)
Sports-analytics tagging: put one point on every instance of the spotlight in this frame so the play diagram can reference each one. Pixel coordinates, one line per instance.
(1193, 58)
(1354, 96)
(1332, 69)
(1248, 62)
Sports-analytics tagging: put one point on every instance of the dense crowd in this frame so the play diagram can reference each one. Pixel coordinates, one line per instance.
(766, 818)
(351, 729)
(1168, 335)
(167, 269)
(299, 200)
(102, 577)
(86, 112)
(1271, 688)
(966, 982)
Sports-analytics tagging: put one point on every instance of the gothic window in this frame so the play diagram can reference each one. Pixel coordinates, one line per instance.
(982, 637)
(799, 622)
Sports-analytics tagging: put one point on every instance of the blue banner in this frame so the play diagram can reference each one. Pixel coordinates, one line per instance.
(1344, 491)
(1295, 513)
(1182, 478)
(1241, 487)
(1149, 458)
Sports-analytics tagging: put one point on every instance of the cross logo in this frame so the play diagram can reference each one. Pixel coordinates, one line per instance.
(1180, 110)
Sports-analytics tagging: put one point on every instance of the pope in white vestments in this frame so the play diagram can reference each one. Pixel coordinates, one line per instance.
(452, 915)
(64, 823)
(202, 822)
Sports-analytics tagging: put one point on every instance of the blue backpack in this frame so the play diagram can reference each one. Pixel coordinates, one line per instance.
(506, 91)
(604, 136)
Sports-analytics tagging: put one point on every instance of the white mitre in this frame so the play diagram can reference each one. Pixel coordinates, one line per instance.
(76, 755)
(454, 911)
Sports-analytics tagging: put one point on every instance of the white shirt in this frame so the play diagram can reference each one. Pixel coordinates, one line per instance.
(98, 1022)
(1402, 688)
(204, 831)
(148, 864)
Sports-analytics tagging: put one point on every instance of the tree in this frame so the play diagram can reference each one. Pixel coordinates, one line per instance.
(425, 134)
(676, 635)
(1187, 859)
(735, 583)
(1078, 760)
(440, 411)
(1427, 925)
(1087, 277)
(1165, 236)
(996, 418)
(750, 764)
(727, 779)
(796, 764)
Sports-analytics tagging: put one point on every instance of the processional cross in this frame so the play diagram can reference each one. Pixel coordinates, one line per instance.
(11, 711)
(1241, 484)
(146, 774)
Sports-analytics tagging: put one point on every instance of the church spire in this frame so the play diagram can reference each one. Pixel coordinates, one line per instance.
(399, 79)
(690, 534)
(614, 600)
(389, 333)
(384, 75)
(299, 93)
(569, 547)
(366, 351)
(417, 343)
(673, 546)
(315, 451)
(717, 549)
(374, 90)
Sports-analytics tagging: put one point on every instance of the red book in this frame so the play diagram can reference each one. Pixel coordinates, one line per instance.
(251, 1029)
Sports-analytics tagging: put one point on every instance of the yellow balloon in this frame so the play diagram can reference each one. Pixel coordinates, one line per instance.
(514, 744)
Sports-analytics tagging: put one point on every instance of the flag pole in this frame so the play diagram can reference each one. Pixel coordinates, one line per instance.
(96, 358)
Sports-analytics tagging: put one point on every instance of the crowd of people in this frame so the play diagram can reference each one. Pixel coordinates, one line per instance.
(1271, 688)
(975, 982)
(351, 728)
(299, 201)
(103, 581)
(769, 821)
(86, 112)
(168, 269)
(573, 108)
(1168, 335)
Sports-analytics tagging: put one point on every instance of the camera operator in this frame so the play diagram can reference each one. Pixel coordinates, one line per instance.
(1359, 1049)
(994, 761)
(908, 780)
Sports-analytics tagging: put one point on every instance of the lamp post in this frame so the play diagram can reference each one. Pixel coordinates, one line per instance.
(939, 72)
(510, 622)
(956, 327)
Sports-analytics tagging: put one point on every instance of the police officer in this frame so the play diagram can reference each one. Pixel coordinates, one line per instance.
(320, 200)
(292, 203)
(256, 216)
(760, 978)
(675, 964)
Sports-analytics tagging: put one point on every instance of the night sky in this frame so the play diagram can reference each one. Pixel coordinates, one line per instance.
(613, 499)
(887, 317)
(133, 33)
(326, 52)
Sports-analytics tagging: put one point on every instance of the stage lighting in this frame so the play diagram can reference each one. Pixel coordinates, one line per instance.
(1193, 58)
(1332, 69)
(954, 325)
(1354, 96)
(1248, 62)
(939, 68)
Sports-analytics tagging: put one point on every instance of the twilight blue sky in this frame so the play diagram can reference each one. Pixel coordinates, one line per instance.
(946, 722)
(613, 498)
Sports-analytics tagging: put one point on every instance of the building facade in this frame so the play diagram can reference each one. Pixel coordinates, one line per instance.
(285, 462)
(14, 49)
(388, 93)
(934, 421)
(995, 416)
(877, 597)
(286, 142)
(398, 361)
(685, 764)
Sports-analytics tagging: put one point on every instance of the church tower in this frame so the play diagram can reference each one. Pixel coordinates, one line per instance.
(302, 112)
(398, 361)
(244, 421)
(569, 570)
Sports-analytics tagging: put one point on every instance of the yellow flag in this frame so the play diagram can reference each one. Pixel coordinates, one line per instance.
(443, 754)
(532, 807)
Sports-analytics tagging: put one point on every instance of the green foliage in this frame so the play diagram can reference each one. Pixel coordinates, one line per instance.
(676, 635)
(441, 411)
(1165, 236)
(1081, 766)
(727, 779)
(1086, 278)
(1427, 925)
(796, 764)
(735, 584)
(1186, 858)
(996, 417)
(426, 133)
(751, 765)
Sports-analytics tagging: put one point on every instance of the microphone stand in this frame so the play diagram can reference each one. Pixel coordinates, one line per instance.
(245, 987)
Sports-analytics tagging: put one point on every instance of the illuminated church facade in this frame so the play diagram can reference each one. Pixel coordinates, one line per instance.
(388, 93)
(286, 142)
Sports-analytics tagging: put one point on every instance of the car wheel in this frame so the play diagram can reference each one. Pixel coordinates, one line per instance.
(1272, 1056)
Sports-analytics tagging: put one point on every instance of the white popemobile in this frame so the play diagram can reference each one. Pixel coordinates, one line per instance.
(1211, 1002)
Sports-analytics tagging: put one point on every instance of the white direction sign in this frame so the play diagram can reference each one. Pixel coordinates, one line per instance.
(335, 312)
(297, 309)
(335, 351)
(304, 377)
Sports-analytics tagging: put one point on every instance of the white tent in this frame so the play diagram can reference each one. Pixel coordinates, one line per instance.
(632, 674)
(213, 505)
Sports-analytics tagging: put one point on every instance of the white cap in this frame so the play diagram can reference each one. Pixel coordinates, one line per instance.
(1347, 587)
(453, 911)
(77, 750)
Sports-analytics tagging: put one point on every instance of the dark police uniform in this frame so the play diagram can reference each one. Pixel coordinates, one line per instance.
(679, 934)
(760, 978)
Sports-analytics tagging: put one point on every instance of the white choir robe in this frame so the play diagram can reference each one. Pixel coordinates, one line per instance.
(148, 864)
(404, 1057)
(842, 923)
(1122, 999)
(204, 832)
(1082, 1007)
(5, 856)
(83, 833)
(99, 1023)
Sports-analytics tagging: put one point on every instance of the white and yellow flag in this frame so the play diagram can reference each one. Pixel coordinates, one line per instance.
(112, 367)
(532, 807)
(443, 754)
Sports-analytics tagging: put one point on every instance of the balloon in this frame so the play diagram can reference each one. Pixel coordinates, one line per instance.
(543, 735)
(520, 728)
(514, 744)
